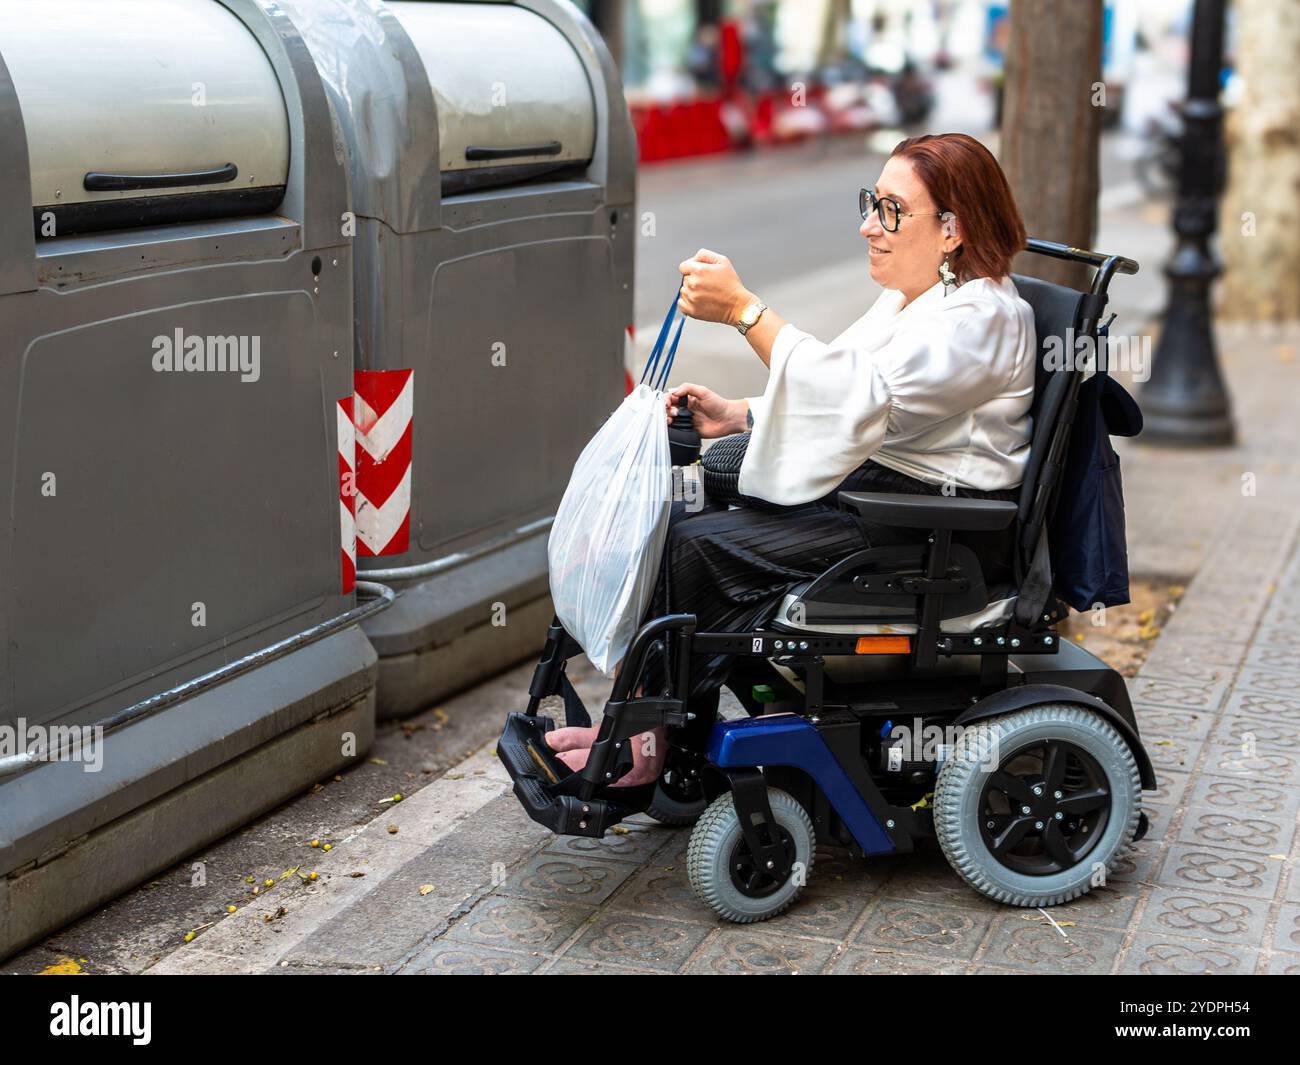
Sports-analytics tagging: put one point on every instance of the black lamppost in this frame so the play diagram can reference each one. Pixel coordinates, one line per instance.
(1184, 402)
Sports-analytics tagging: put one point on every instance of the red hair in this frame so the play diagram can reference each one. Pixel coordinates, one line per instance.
(962, 176)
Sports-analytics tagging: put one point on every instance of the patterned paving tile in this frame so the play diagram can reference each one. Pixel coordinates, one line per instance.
(447, 958)
(659, 892)
(1103, 907)
(642, 942)
(1261, 763)
(1272, 706)
(916, 928)
(563, 879)
(1155, 955)
(1169, 789)
(1033, 944)
(631, 845)
(521, 924)
(754, 950)
(1287, 934)
(1269, 680)
(1214, 828)
(1162, 723)
(1284, 965)
(884, 962)
(1201, 916)
(1176, 755)
(1246, 732)
(567, 966)
(1188, 694)
(1214, 870)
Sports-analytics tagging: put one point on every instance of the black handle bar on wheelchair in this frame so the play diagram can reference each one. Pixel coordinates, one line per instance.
(1080, 255)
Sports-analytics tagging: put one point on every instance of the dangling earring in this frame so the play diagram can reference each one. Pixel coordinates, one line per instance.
(946, 275)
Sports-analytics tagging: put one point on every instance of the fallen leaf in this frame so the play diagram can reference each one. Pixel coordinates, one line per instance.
(65, 967)
(376, 761)
(425, 889)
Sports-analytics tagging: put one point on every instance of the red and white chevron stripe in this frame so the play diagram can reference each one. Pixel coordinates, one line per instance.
(347, 493)
(383, 403)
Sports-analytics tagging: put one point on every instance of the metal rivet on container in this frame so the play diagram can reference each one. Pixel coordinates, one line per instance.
(978, 641)
(803, 645)
(1015, 641)
(1001, 640)
(778, 645)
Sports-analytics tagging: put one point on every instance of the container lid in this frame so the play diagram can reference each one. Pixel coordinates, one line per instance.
(508, 86)
(142, 98)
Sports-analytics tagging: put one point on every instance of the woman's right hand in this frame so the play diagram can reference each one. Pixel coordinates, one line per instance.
(712, 414)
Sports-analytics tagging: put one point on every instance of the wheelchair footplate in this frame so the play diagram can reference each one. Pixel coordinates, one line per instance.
(552, 793)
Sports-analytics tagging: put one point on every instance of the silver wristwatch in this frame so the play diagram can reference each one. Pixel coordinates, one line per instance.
(749, 316)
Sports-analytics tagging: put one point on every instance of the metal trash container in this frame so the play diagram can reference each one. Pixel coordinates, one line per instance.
(493, 185)
(175, 307)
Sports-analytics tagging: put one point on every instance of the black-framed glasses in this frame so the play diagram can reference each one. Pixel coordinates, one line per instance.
(887, 209)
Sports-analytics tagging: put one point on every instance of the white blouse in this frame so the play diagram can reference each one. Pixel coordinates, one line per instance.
(939, 391)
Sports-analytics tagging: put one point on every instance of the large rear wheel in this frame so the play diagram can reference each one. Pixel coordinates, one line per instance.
(1032, 808)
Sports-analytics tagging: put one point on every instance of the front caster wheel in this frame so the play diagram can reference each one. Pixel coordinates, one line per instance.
(723, 872)
(1032, 808)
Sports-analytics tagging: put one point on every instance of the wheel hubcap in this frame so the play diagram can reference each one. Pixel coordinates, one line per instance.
(1044, 809)
(748, 878)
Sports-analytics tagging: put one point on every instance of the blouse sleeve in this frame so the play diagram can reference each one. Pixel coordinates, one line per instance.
(827, 409)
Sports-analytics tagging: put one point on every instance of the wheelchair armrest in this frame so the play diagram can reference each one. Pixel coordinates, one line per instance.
(908, 511)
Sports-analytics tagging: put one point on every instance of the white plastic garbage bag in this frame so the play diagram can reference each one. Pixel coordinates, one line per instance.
(607, 540)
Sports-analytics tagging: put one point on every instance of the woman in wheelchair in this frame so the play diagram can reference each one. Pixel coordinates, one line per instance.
(929, 392)
(883, 580)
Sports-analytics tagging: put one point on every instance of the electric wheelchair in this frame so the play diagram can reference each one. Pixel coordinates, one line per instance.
(896, 697)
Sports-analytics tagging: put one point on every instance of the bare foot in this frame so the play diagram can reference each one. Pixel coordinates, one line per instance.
(575, 760)
(574, 738)
(648, 752)
(647, 759)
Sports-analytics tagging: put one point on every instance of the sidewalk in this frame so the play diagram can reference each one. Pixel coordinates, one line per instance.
(467, 883)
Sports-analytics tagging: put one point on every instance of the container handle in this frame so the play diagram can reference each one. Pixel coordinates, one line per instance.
(95, 181)
(545, 148)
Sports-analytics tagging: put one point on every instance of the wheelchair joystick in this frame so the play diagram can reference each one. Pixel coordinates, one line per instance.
(683, 438)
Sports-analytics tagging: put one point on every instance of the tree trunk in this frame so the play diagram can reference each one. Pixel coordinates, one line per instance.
(1261, 208)
(1051, 122)
(835, 20)
(607, 16)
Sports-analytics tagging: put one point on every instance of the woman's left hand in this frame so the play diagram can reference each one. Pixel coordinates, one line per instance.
(711, 289)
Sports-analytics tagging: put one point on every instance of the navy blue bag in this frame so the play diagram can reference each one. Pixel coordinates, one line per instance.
(1089, 550)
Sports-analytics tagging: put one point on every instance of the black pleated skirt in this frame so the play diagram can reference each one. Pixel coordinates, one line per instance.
(732, 567)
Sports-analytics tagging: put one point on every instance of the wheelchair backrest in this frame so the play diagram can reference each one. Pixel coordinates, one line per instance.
(1056, 311)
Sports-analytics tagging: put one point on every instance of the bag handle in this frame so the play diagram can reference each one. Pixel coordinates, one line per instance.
(659, 378)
